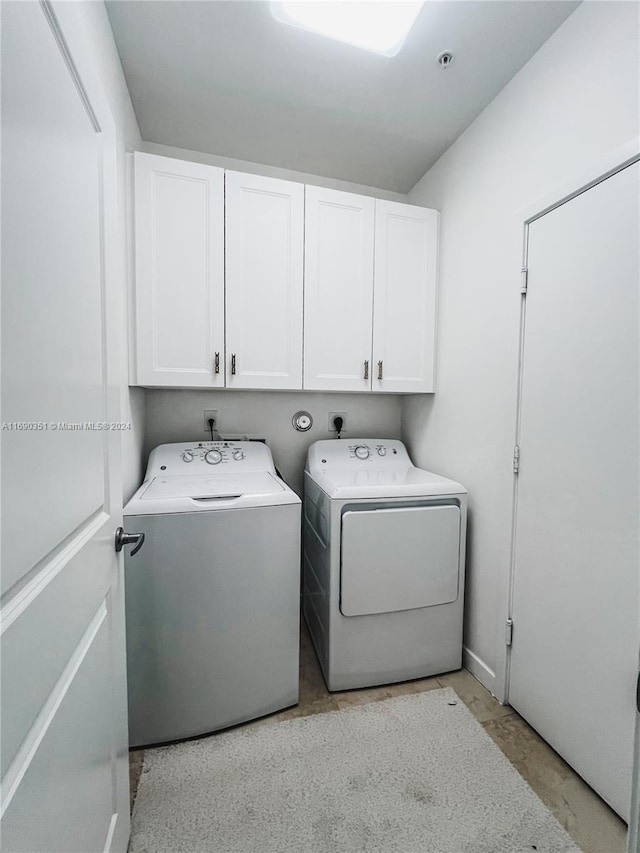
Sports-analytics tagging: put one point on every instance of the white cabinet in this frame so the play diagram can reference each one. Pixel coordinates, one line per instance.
(370, 293)
(264, 267)
(404, 302)
(338, 300)
(284, 275)
(179, 237)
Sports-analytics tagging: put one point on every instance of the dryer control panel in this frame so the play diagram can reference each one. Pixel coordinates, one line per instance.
(355, 453)
(206, 456)
(371, 450)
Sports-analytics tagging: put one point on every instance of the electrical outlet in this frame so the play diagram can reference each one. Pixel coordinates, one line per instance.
(211, 413)
(333, 415)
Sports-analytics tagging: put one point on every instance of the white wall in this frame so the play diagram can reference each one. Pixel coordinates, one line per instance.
(574, 101)
(88, 32)
(179, 415)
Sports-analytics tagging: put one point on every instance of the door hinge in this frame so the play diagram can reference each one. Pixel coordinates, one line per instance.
(509, 632)
(516, 459)
(524, 282)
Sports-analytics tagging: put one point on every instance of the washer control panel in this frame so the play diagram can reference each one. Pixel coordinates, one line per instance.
(203, 456)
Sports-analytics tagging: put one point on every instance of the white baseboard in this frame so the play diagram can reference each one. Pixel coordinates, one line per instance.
(479, 669)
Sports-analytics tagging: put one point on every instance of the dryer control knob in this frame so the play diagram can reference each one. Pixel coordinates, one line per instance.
(213, 457)
(187, 456)
(238, 455)
(382, 451)
(362, 452)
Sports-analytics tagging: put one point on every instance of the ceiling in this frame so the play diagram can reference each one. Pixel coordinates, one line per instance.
(226, 78)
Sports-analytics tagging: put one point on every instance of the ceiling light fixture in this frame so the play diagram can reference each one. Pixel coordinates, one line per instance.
(377, 25)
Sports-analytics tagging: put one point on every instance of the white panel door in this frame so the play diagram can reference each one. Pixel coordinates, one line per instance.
(264, 222)
(404, 304)
(338, 290)
(575, 607)
(179, 225)
(64, 729)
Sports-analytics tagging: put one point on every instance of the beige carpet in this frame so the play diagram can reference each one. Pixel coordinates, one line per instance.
(415, 774)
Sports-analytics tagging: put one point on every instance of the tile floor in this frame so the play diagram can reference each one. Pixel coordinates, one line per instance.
(591, 823)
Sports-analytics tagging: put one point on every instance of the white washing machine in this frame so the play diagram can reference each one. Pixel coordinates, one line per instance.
(213, 597)
(384, 556)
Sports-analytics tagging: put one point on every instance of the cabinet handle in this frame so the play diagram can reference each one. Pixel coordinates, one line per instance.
(233, 364)
(366, 369)
(216, 363)
(379, 370)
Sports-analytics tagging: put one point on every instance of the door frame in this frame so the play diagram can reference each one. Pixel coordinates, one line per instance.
(600, 170)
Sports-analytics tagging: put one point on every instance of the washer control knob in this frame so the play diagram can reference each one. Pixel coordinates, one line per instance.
(213, 457)
(382, 451)
(362, 452)
(187, 456)
(238, 455)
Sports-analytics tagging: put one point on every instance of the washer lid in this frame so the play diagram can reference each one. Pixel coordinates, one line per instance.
(379, 482)
(164, 495)
(212, 486)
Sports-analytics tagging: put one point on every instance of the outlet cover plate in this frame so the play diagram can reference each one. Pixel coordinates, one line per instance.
(211, 413)
(333, 415)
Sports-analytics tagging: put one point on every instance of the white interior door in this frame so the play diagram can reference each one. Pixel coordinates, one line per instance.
(264, 233)
(575, 607)
(179, 226)
(404, 297)
(64, 729)
(338, 290)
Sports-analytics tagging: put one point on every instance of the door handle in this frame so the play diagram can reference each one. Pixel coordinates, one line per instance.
(366, 369)
(380, 370)
(122, 539)
(233, 364)
(216, 363)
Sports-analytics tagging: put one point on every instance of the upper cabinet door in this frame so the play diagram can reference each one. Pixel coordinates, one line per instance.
(338, 290)
(404, 297)
(264, 286)
(179, 273)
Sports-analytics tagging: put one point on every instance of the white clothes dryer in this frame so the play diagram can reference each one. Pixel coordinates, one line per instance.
(213, 598)
(384, 558)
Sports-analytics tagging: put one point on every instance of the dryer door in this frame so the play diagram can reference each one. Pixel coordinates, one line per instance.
(399, 559)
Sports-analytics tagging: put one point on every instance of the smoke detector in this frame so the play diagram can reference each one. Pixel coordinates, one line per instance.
(445, 58)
